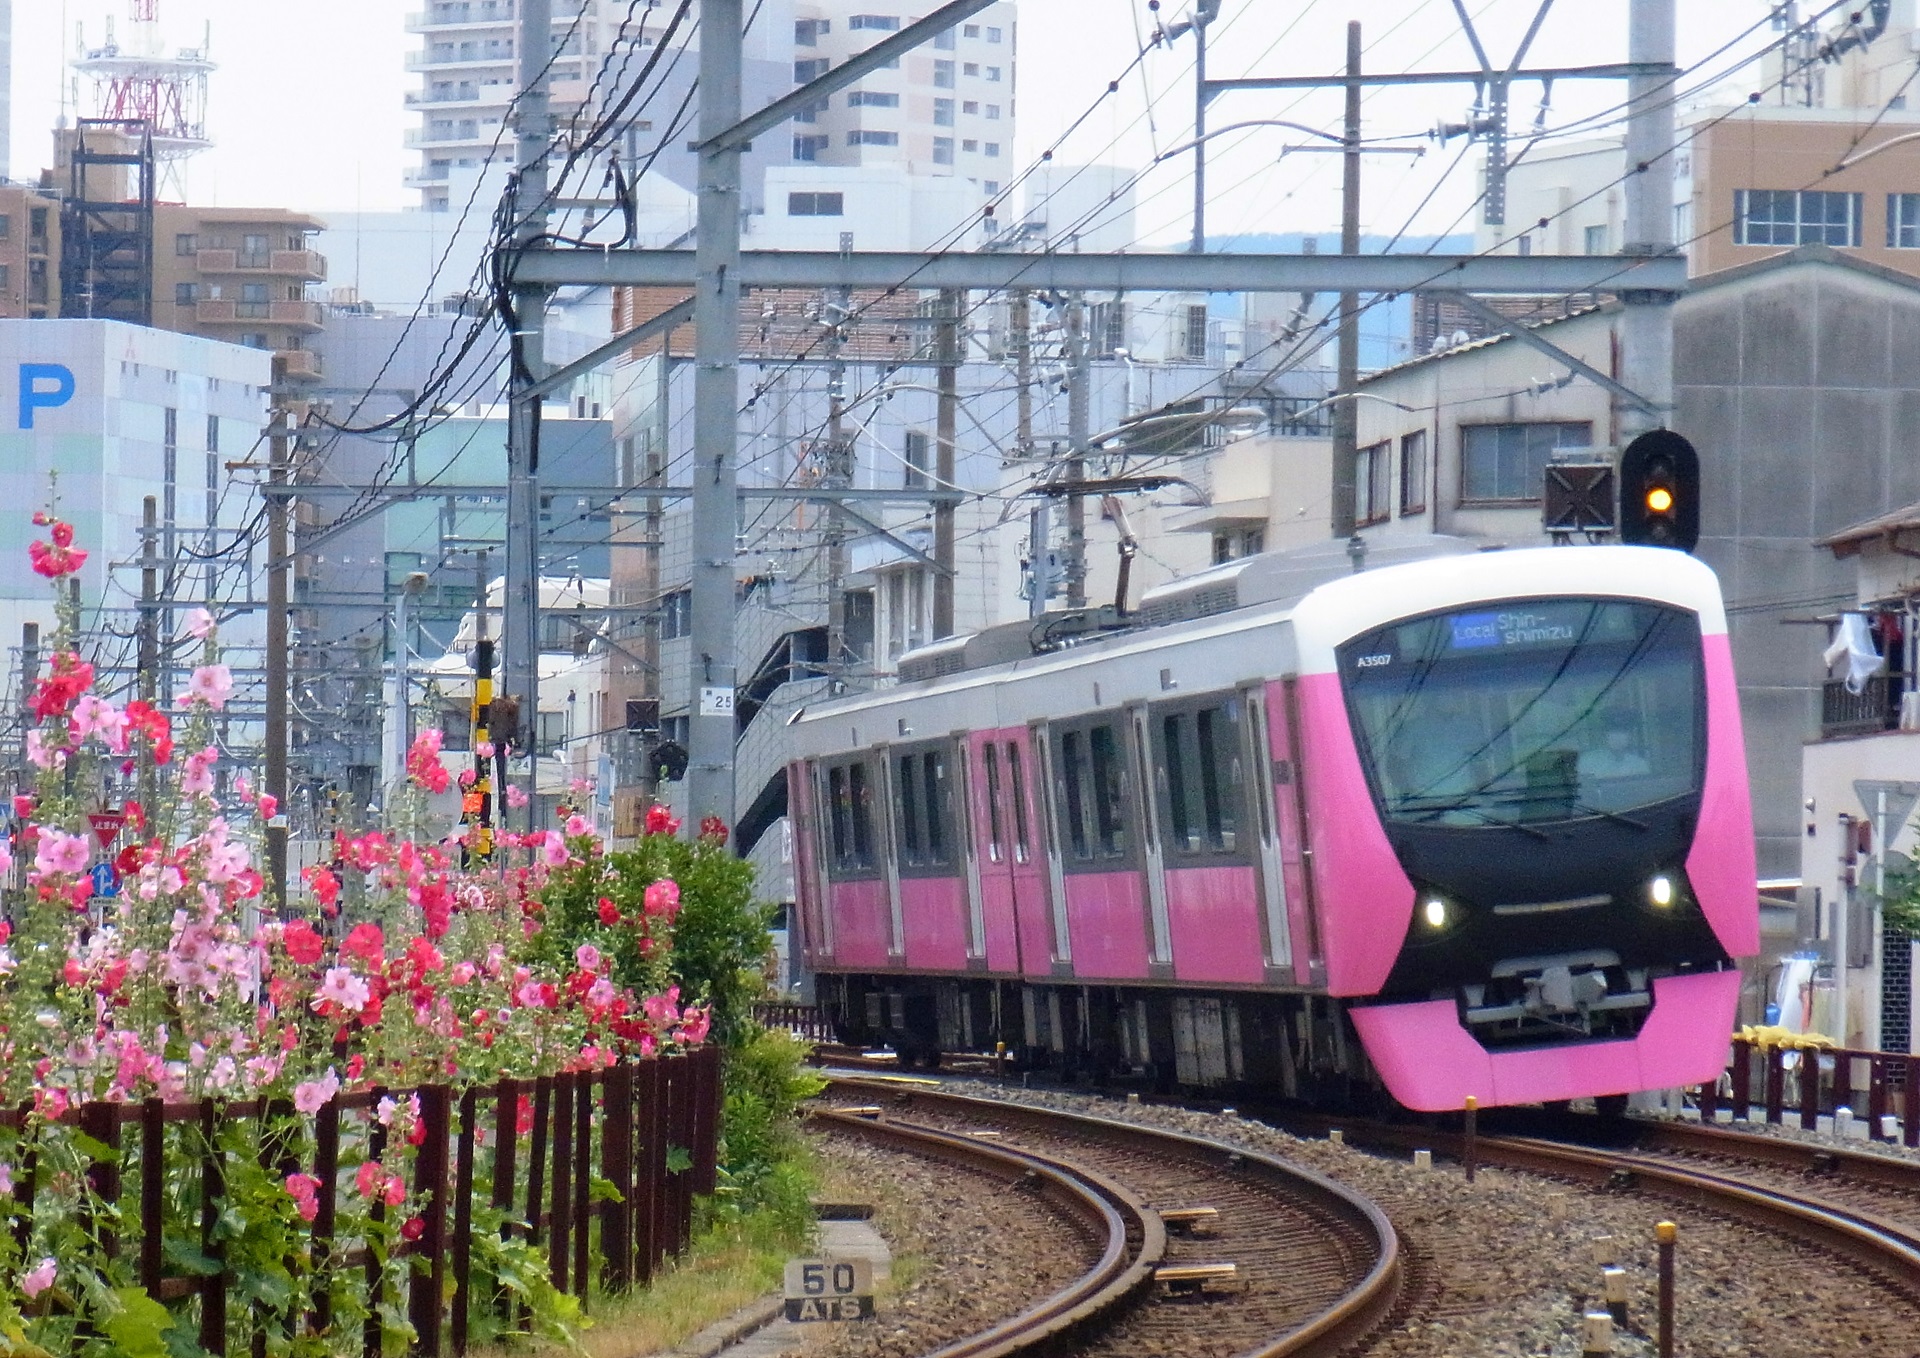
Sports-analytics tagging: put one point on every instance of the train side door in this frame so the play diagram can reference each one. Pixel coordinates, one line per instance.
(1047, 944)
(1002, 844)
(815, 945)
(1147, 833)
(1275, 928)
(966, 808)
(1290, 811)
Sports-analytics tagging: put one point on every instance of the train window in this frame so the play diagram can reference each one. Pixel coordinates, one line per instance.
(995, 839)
(1201, 779)
(906, 796)
(1110, 792)
(1076, 771)
(922, 808)
(849, 823)
(933, 784)
(1017, 776)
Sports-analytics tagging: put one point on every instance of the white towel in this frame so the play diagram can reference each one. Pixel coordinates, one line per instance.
(1853, 642)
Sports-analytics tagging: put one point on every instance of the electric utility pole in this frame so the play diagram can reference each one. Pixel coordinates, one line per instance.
(533, 125)
(1345, 415)
(1079, 430)
(1646, 322)
(947, 355)
(279, 564)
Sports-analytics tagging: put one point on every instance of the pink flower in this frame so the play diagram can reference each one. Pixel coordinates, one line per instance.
(516, 796)
(196, 778)
(211, 684)
(304, 1190)
(39, 1280)
(587, 956)
(554, 852)
(341, 987)
(269, 806)
(370, 1178)
(43, 755)
(312, 1096)
(663, 898)
(60, 853)
(6, 1178)
(484, 749)
(577, 826)
(200, 624)
(93, 713)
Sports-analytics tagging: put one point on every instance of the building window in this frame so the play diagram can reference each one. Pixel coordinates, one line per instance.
(872, 99)
(1903, 221)
(993, 72)
(1370, 478)
(1193, 342)
(867, 136)
(943, 113)
(185, 294)
(6, 226)
(990, 187)
(815, 205)
(1232, 546)
(992, 148)
(908, 603)
(1413, 472)
(943, 150)
(968, 145)
(812, 68)
(879, 23)
(807, 32)
(676, 614)
(970, 106)
(257, 339)
(943, 42)
(809, 148)
(993, 35)
(971, 30)
(993, 112)
(919, 450)
(1596, 240)
(1508, 461)
(942, 74)
(186, 243)
(811, 113)
(1795, 217)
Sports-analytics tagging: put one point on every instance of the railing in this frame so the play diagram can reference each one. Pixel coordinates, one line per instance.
(302, 363)
(545, 1141)
(1880, 1089)
(802, 1020)
(1876, 707)
(310, 314)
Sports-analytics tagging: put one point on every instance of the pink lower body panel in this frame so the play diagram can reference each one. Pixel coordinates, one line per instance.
(1430, 1063)
(1107, 924)
(862, 923)
(934, 910)
(1214, 918)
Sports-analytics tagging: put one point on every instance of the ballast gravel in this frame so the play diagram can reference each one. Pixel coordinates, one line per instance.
(1501, 1268)
(969, 1252)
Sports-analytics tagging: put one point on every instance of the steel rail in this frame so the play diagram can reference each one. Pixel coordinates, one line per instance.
(1358, 1313)
(1105, 1209)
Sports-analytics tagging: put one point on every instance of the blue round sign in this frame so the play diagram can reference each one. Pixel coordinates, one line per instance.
(106, 880)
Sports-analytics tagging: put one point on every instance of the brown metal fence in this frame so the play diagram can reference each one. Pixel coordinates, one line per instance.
(619, 1125)
(802, 1020)
(1774, 1085)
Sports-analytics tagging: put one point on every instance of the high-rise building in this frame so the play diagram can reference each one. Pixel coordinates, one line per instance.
(6, 88)
(470, 74)
(944, 109)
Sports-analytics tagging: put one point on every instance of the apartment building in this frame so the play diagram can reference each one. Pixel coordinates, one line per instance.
(945, 109)
(29, 253)
(469, 74)
(241, 275)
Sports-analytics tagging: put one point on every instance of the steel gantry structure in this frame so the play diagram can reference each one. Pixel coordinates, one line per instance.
(1647, 275)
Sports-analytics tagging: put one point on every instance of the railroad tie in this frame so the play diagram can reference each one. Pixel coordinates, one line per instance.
(1191, 1221)
(1187, 1280)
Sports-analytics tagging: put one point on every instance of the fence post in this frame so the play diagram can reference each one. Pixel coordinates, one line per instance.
(1910, 1106)
(463, 1220)
(1809, 1090)
(213, 1188)
(101, 1121)
(537, 1160)
(506, 1140)
(370, 1335)
(560, 1218)
(706, 1127)
(1742, 1081)
(680, 1134)
(582, 1179)
(1776, 1082)
(1876, 1095)
(430, 1186)
(616, 1167)
(651, 1187)
(326, 1168)
(153, 1199)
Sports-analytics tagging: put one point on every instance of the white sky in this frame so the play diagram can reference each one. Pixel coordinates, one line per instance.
(306, 107)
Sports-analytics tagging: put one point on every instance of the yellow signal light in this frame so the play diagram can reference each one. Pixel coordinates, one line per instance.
(1659, 499)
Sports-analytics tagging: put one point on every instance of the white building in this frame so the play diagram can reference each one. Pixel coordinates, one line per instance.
(118, 413)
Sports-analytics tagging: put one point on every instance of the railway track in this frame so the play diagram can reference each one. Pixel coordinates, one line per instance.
(1228, 1252)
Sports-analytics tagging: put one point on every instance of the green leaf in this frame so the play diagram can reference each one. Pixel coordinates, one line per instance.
(138, 1324)
(679, 1159)
(602, 1190)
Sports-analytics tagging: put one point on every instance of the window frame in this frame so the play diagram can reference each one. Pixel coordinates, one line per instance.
(1414, 473)
(1537, 487)
(925, 821)
(1098, 832)
(1897, 203)
(851, 847)
(1372, 475)
(1775, 230)
(1223, 804)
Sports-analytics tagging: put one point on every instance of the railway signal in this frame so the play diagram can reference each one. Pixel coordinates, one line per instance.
(1660, 492)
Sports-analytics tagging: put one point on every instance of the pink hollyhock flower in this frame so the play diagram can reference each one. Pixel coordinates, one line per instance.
(93, 713)
(200, 624)
(516, 796)
(303, 1189)
(6, 1178)
(370, 1178)
(663, 898)
(484, 749)
(577, 826)
(554, 852)
(196, 778)
(60, 853)
(587, 956)
(43, 755)
(661, 821)
(368, 942)
(312, 1096)
(341, 987)
(395, 1192)
(468, 777)
(303, 945)
(39, 1279)
(269, 806)
(211, 684)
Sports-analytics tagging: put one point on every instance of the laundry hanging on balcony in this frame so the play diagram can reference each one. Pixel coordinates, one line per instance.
(1853, 643)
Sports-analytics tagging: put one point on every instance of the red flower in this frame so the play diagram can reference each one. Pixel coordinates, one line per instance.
(661, 821)
(146, 720)
(304, 946)
(714, 829)
(413, 1228)
(22, 806)
(609, 912)
(71, 676)
(325, 886)
(56, 559)
(366, 942)
(62, 534)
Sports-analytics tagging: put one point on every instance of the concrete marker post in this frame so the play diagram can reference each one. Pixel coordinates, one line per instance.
(1613, 1286)
(1596, 1335)
(1665, 1235)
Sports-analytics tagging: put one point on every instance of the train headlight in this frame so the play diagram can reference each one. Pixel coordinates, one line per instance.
(1434, 911)
(1660, 890)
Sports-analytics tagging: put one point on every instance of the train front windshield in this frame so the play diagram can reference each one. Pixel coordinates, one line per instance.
(1539, 711)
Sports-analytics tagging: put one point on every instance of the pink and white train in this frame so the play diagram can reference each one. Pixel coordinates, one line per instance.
(1485, 812)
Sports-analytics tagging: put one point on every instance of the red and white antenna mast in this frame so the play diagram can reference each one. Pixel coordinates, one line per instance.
(140, 80)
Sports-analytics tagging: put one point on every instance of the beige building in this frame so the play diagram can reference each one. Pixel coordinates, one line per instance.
(29, 253)
(241, 275)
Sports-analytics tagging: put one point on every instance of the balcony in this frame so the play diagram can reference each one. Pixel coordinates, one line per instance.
(419, 175)
(491, 56)
(421, 137)
(301, 365)
(309, 266)
(304, 316)
(485, 14)
(1876, 707)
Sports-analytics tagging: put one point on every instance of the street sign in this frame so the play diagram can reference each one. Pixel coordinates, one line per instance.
(716, 701)
(829, 1289)
(106, 826)
(1579, 498)
(106, 880)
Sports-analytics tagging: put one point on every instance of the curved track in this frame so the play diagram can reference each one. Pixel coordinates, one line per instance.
(1316, 1267)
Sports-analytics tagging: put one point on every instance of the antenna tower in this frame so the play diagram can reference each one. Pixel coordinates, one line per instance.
(139, 81)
